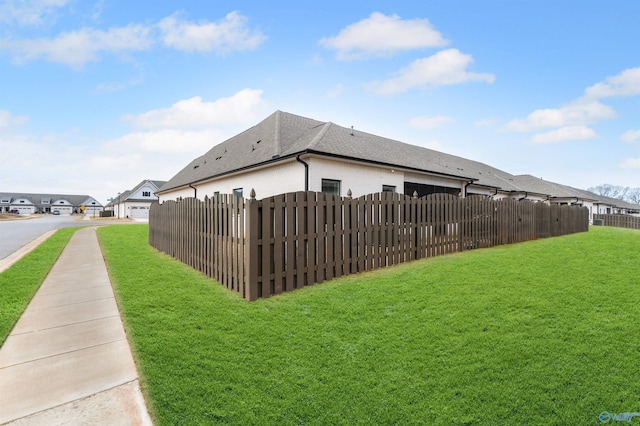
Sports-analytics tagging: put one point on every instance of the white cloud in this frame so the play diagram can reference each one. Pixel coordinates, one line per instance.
(627, 83)
(168, 141)
(569, 133)
(76, 48)
(445, 68)
(426, 122)
(630, 136)
(33, 12)
(630, 163)
(99, 169)
(381, 35)
(243, 107)
(577, 113)
(105, 167)
(8, 120)
(571, 120)
(231, 33)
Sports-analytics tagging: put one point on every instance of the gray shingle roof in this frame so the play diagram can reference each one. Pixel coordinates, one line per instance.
(284, 135)
(553, 189)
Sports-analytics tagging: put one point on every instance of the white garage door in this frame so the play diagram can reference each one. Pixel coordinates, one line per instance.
(139, 212)
(64, 210)
(26, 210)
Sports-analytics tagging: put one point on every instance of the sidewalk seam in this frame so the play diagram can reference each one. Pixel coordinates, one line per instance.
(63, 353)
(71, 304)
(64, 325)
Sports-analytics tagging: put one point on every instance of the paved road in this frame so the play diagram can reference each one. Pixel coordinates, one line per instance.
(14, 234)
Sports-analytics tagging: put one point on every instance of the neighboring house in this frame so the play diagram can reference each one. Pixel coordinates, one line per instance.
(27, 204)
(287, 153)
(608, 205)
(135, 203)
(566, 195)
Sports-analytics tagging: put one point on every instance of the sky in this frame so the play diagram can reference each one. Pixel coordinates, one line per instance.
(96, 96)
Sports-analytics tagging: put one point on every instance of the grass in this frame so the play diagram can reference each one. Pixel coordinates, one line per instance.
(544, 332)
(19, 283)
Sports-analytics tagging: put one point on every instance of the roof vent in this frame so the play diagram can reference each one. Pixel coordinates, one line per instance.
(352, 131)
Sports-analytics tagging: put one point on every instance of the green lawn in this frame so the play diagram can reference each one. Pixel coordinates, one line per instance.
(543, 332)
(19, 283)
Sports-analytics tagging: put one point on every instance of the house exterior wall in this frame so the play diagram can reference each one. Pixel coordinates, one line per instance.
(24, 206)
(277, 179)
(285, 177)
(362, 179)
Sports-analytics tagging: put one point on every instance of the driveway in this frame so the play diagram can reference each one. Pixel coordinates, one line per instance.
(15, 234)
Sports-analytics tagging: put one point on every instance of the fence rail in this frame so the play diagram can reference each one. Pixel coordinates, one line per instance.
(264, 247)
(618, 220)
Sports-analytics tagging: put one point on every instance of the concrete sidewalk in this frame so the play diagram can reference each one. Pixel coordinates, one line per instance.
(67, 360)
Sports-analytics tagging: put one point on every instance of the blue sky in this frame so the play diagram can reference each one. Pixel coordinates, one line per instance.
(96, 96)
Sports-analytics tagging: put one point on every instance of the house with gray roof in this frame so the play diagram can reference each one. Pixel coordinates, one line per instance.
(64, 204)
(567, 195)
(287, 153)
(135, 203)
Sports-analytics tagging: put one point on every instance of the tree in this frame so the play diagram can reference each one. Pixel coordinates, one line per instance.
(630, 195)
(633, 195)
(611, 191)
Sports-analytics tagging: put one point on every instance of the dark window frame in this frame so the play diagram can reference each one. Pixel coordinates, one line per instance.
(331, 186)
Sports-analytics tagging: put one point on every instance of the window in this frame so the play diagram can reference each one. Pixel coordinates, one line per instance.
(146, 193)
(388, 188)
(238, 192)
(5, 200)
(331, 186)
(45, 201)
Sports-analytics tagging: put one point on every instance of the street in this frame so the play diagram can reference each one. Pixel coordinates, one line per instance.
(14, 234)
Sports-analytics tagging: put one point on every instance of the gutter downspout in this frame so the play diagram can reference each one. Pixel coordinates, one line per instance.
(465, 188)
(306, 172)
(195, 191)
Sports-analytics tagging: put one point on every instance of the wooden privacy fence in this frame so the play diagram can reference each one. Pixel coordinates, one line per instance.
(617, 220)
(264, 247)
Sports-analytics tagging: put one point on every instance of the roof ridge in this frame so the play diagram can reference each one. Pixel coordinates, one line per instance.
(323, 131)
(277, 150)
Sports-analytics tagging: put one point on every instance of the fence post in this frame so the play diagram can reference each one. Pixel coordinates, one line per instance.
(251, 252)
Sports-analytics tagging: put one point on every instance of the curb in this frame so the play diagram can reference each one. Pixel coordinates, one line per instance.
(8, 261)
